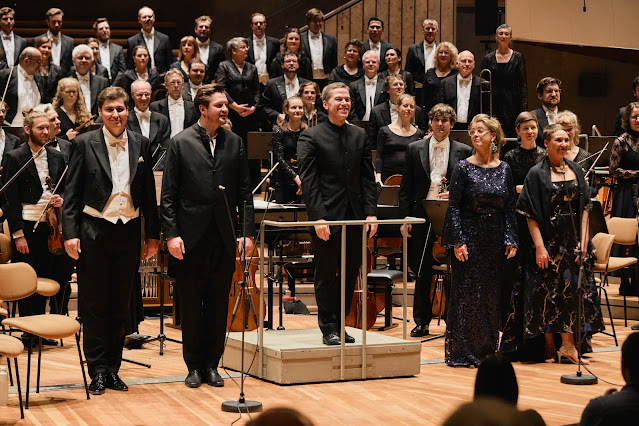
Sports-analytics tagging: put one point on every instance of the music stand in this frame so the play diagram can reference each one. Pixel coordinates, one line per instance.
(436, 214)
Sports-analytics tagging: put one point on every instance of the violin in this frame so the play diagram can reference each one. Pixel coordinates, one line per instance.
(247, 309)
(53, 215)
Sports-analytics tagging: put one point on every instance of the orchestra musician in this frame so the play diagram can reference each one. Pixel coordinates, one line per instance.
(200, 230)
(109, 186)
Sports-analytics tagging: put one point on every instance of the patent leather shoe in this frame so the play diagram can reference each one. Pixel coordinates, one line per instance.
(98, 384)
(331, 339)
(419, 331)
(115, 382)
(212, 378)
(193, 380)
(348, 338)
(49, 342)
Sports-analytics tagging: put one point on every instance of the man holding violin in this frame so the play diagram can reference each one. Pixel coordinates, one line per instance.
(205, 188)
(27, 198)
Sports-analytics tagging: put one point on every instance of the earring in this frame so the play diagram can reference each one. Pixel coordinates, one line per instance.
(493, 146)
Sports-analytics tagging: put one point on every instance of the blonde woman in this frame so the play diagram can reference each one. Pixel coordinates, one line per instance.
(69, 104)
(189, 50)
(445, 62)
(570, 124)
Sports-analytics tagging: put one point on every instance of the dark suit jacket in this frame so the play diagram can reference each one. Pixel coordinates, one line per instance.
(159, 133)
(408, 80)
(272, 49)
(12, 91)
(27, 188)
(383, 47)
(126, 78)
(162, 53)
(191, 199)
(380, 117)
(116, 56)
(162, 106)
(216, 56)
(66, 61)
(89, 181)
(336, 172)
(97, 84)
(11, 142)
(274, 96)
(66, 147)
(18, 46)
(329, 53)
(543, 123)
(51, 82)
(416, 177)
(415, 61)
(449, 96)
(358, 96)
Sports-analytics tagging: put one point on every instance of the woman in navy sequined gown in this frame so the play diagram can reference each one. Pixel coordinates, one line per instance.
(481, 226)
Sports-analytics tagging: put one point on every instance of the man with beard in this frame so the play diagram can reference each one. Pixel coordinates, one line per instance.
(111, 55)
(211, 53)
(549, 93)
(197, 72)
(279, 89)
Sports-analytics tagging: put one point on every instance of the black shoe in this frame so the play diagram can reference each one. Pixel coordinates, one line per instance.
(331, 339)
(115, 382)
(98, 384)
(49, 342)
(349, 338)
(212, 378)
(193, 380)
(635, 327)
(419, 331)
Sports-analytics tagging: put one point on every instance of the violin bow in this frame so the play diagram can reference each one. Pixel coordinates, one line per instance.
(52, 194)
(596, 159)
(86, 123)
(6, 86)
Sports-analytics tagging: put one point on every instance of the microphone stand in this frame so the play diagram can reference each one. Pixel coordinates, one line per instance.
(242, 405)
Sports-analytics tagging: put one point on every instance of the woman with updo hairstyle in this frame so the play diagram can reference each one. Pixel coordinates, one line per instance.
(445, 64)
(140, 71)
(352, 69)
(481, 227)
(69, 104)
(393, 59)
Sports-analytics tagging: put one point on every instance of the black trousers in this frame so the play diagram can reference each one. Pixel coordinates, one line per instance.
(327, 274)
(422, 306)
(63, 267)
(40, 259)
(106, 269)
(204, 280)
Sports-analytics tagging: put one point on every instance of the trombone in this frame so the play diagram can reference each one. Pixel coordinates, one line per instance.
(486, 82)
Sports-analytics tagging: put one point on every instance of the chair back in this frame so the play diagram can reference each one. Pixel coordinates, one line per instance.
(17, 281)
(603, 245)
(5, 248)
(624, 230)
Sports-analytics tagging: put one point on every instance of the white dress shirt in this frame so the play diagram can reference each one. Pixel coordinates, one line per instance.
(463, 97)
(259, 53)
(429, 55)
(149, 39)
(212, 140)
(292, 86)
(105, 56)
(376, 47)
(144, 119)
(85, 85)
(28, 95)
(119, 206)
(371, 85)
(32, 212)
(393, 112)
(438, 153)
(176, 115)
(316, 45)
(194, 88)
(3, 143)
(551, 114)
(204, 50)
(56, 47)
(8, 44)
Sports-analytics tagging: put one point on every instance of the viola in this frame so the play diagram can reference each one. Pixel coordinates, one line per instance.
(248, 307)
(54, 215)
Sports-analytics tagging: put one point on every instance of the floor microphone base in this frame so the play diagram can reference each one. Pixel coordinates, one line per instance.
(241, 406)
(578, 379)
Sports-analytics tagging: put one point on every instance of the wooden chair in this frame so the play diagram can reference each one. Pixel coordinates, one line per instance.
(10, 347)
(17, 281)
(604, 264)
(625, 232)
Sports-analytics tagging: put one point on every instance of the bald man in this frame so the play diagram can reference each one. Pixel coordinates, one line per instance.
(155, 42)
(462, 91)
(26, 87)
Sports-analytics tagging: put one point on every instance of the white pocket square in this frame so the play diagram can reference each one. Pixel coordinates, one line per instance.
(140, 160)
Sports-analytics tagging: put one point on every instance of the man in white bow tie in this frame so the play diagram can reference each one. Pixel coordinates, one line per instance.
(421, 55)
(368, 91)
(321, 47)
(12, 44)
(62, 46)
(151, 125)
(197, 73)
(110, 185)
(463, 91)
(26, 87)
(158, 44)
(181, 113)
(211, 53)
(90, 84)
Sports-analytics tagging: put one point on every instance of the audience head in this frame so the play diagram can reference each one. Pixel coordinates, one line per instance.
(375, 29)
(7, 19)
(92, 42)
(280, 416)
(146, 18)
(293, 108)
(430, 27)
(465, 63)
(189, 49)
(197, 71)
(30, 60)
(630, 359)
(445, 56)
(442, 118)
(140, 56)
(491, 412)
(353, 52)
(314, 19)
(258, 24)
(549, 92)
(212, 106)
(82, 59)
(527, 127)
(370, 62)
(141, 94)
(102, 29)
(496, 378)
(635, 87)
(395, 86)
(290, 63)
(44, 45)
(570, 123)
(483, 128)
(203, 27)
(36, 126)
(113, 109)
(174, 82)
(503, 35)
(238, 48)
(53, 18)
(54, 119)
(292, 41)
(337, 102)
(3, 111)
(309, 92)
(630, 118)
(393, 56)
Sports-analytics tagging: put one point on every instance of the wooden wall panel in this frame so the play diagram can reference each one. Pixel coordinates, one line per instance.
(370, 9)
(357, 23)
(394, 33)
(343, 30)
(408, 26)
(382, 12)
(434, 12)
(447, 21)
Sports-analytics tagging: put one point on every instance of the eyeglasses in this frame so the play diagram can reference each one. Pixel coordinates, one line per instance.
(634, 117)
(480, 132)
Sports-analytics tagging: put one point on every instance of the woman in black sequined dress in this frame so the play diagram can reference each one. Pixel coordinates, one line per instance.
(481, 226)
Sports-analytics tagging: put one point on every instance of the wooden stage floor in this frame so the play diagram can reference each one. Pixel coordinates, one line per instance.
(158, 395)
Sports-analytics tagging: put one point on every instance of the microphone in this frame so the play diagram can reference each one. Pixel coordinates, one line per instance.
(148, 21)
(221, 188)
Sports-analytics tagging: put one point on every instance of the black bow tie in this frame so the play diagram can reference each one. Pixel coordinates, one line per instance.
(53, 143)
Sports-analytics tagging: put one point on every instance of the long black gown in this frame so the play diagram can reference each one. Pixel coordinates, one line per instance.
(481, 214)
(391, 151)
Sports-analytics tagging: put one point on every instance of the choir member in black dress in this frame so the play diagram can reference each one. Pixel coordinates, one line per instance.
(352, 69)
(288, 186)
(189, 50)
(393, 61)
(314, 112)
(140, 70)
(69, 104)
(50, 72)
(510, 88)
(570, 124)
(556, 200)
(392, 140)
(445, 65)
(481, 227)
(292, 41)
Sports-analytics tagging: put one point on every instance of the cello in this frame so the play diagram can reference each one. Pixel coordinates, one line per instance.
(245, 309)
(354, 318)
